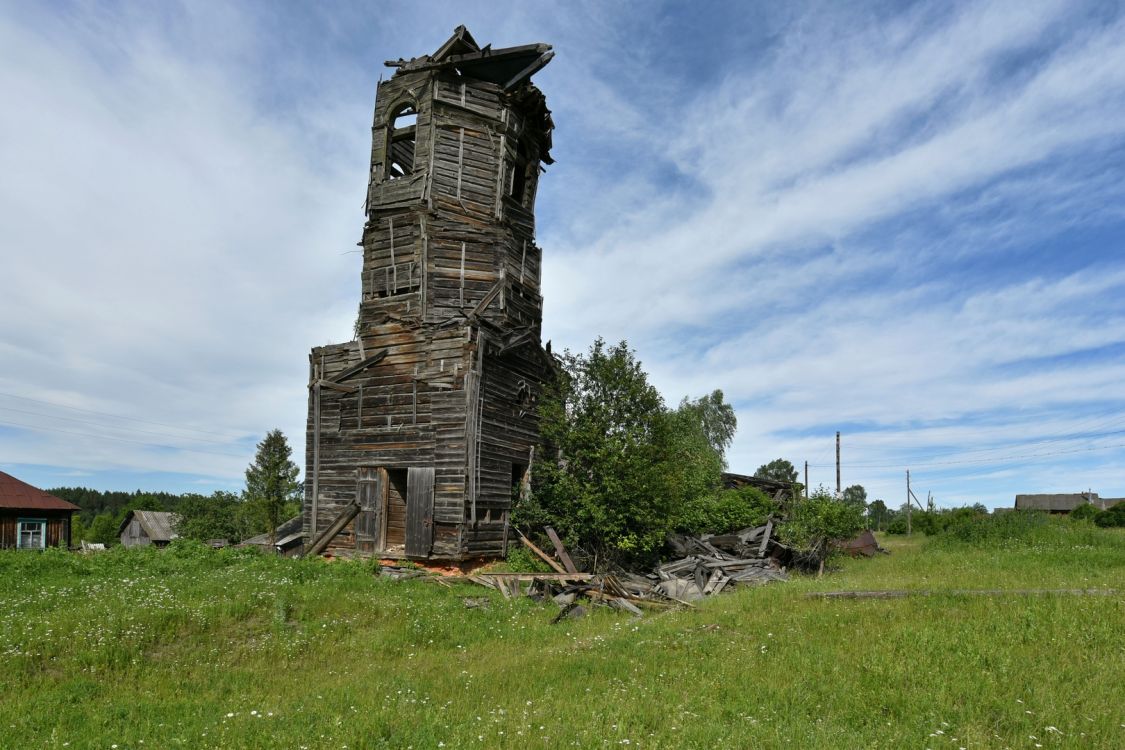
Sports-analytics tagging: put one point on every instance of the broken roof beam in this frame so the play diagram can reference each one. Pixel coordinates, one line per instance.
(359, 367)
(534, 67)
(508, 67)
(317, 546)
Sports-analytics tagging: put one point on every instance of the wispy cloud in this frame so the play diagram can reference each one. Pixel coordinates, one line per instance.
(902, 223)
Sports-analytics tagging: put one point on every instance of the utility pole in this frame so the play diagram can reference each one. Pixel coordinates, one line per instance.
(908, 502)
(838, 495)
(806, 480)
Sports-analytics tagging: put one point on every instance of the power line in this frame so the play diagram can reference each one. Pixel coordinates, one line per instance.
(1043, 441)
(1024, 444)
(994, 459)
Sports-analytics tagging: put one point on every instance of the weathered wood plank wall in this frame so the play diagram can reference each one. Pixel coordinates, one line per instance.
(430, 437)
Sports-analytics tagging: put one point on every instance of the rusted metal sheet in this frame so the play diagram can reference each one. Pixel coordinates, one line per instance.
(17, 494)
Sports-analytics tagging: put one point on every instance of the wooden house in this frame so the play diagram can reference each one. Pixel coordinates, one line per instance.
(30, 518)
(420, 427)
(140, 528)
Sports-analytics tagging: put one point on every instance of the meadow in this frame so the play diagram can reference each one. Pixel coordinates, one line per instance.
(188, 647)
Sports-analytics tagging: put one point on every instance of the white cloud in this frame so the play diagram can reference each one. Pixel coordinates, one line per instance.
(842, 224)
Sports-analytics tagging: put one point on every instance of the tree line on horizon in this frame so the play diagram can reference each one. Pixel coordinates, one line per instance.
(271, 495)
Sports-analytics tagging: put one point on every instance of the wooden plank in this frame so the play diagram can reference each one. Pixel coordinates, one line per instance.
(336, 386)
(543, 556)
(563, 577)
(560, 550)
(765, 538)
(335, 528)
(363, 365)
(419, 511)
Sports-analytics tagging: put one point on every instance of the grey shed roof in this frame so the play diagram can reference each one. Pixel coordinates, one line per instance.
(1058, 502)
(286, 533)
(158, 525)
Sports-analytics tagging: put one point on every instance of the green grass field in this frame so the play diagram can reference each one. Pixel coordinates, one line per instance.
(191, 648)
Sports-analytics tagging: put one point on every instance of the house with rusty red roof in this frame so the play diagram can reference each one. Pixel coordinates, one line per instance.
(30, 518)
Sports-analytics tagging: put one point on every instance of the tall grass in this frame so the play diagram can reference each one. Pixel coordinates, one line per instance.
(192, 648)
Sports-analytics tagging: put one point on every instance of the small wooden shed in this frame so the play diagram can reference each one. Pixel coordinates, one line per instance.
(287, 539)
(143, 527)
(31, 518)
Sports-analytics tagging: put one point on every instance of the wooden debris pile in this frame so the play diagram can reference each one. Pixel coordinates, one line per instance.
(706, 565)
(711, 563)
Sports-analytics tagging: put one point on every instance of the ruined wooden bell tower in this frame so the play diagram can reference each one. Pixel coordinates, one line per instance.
(421, 427)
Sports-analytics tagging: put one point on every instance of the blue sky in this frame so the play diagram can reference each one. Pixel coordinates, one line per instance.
(903, 221)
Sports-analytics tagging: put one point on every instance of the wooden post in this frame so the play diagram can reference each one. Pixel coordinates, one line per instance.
(838, 464)
(462, 274)
(908, 502)
(460, 154)
(394, 270)
(806, 480)
(316, 454)
(425, 260)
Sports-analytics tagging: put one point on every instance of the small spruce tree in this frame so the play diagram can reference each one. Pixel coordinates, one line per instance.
(271, 481)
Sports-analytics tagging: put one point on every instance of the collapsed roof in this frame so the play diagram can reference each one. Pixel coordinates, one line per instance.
(507, 67)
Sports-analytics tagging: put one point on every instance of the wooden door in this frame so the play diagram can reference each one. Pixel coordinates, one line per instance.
(419, 512)
(370, 491)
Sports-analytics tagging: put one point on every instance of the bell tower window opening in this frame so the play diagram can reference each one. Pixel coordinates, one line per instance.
(522, 180)
(402, 132)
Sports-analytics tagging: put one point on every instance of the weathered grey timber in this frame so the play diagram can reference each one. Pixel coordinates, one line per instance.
(1064, 503)
(426, 419)
(143, 527)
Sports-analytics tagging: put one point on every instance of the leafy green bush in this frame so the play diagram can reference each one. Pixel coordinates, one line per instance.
(724, 511)
(815, 523)
(1017, 525)
(617, 465)
(897, 525)
(1112, 518)
(1019, 528)
(520, 559)
(1084, 512)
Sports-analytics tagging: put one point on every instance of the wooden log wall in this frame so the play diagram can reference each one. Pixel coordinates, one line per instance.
(58, 526)
(438, 243)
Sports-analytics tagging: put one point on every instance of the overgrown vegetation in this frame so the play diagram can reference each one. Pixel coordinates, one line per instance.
(724, 511)
(814, 523)
(194, 648)
(1112, 518)
(620, 469)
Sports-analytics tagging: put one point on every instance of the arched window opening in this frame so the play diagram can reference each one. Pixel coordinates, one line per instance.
(522, 177)
(401, 138)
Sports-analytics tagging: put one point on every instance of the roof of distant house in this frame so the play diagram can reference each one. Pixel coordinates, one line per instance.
(17, 494)
(1064, 501)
